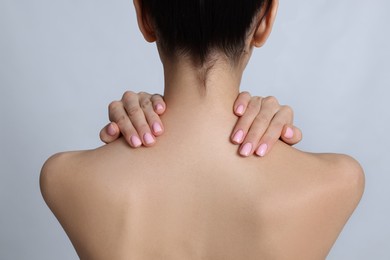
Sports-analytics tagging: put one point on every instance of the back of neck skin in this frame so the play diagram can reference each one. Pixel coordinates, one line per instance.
(214, 86)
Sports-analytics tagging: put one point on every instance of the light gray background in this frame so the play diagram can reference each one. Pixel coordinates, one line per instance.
(62, 62)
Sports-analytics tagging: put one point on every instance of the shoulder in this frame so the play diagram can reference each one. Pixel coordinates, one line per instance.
(344, 172)
(338, 190)
(75, 177)
(77, 187)
(325, 189)
(339, 174)
(331, 168)
(334, 178)
(58, 173)
(81, 171)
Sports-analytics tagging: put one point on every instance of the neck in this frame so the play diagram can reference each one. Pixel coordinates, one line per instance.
(200, 101)
(202, 90)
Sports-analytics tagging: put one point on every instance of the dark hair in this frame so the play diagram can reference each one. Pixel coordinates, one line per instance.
(197, 27)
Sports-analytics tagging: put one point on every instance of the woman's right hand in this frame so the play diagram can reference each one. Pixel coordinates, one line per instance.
(136, 117)
(262, 121)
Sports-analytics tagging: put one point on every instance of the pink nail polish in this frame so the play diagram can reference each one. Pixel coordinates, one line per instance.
(262, 150)
(159, 107)
(111, 130)
(157, 128)
(148, 138)
(246, 149)
(238, 136)
(135, 141)
(240, 109)
(289, 133)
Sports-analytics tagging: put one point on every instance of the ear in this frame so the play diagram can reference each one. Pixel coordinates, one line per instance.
(265, 25)
(144, 24)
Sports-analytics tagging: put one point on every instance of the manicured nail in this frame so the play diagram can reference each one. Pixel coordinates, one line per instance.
(157, 128)
(246, 149)
(240, 109)
(262, 150)
(111, 130)
(159, 107)
(238, 136)
(148, 138)
(135, 141)
(289, 133)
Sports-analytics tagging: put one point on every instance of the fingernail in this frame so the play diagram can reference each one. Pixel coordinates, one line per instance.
(159, 107)
(148, 138)
(240, 109)
(289, 133)
(262, 150)
(238, 136)
(135, 141)
(246, 149)
(111, 130)
(157, 128)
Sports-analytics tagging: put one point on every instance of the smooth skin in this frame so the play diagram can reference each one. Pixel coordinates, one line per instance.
(196, 198)
(262, 121)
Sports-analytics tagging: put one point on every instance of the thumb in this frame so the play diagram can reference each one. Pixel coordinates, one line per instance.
(291, 135)
(109, 133)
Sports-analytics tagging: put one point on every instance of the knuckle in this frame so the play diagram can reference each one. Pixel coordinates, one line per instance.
(143, 94)
(277, 128)
(133, 111)
(152, 117)
(245, 94)
(271, 100)
(113, 105)
(268, 138)
(249, 137)
(128, 95)
(121, 120)
(143, 127)
(145, 103)
(253, 136)
(156, 97)
(288, 110)
(257, 99)
(255, 103)
(251, 110)
(262, 119)
(274, 132)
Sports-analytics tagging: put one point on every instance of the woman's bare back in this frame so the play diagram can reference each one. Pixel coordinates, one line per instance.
(195, 198)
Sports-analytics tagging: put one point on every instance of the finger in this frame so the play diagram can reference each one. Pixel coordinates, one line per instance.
(241, 103)
(261, 123)
(150, 114)
(136, 115)
(118, 115)
(274, 131)
(158, 104)
(244, 122)
(291, 134)
(109, 133)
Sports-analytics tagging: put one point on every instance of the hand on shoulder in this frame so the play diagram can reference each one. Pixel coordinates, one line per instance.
(261, 122)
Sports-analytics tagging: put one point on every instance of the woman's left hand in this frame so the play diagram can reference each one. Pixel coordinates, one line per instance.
(262, 121)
